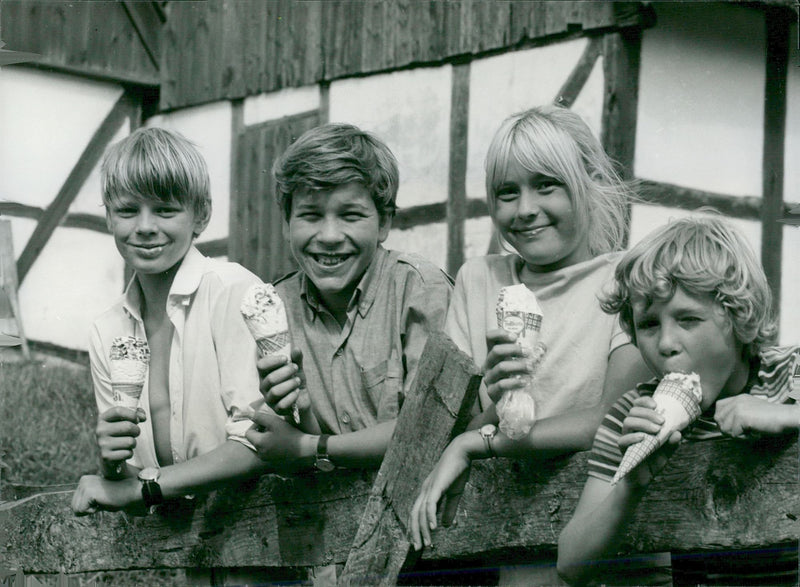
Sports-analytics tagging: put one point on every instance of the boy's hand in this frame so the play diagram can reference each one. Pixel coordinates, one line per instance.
(95, 493)
(641, 420)
(280, 444)
(504, 363)
(446, 481)
(116, 432)
(281, 384)
(745, 414)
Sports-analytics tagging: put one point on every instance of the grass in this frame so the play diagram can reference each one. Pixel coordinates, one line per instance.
(49, 416)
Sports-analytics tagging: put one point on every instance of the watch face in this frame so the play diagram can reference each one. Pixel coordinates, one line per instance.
(488, 430)
(324, 465)
(149, 474)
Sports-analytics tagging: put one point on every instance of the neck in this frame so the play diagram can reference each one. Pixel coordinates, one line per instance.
(155, 290)
(737, 382)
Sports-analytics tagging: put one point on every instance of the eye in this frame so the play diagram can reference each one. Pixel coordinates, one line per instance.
(125, 211)
(168, 211)
(646, 324)
(507, 193)
(353, 216)
(548, 185)
(690, 320)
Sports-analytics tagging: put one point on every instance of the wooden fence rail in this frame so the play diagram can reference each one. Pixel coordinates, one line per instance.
(716, 495)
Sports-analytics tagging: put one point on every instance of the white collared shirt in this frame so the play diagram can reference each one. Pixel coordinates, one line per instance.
(213, 380)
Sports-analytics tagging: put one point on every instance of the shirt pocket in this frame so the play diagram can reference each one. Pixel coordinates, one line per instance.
(383, 384)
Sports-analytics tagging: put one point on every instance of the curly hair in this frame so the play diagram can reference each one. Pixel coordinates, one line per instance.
(556, 142)
(333, 155)
(703, 255)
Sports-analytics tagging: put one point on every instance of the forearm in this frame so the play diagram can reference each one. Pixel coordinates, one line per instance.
(229, 462)
(363, 448)
(594, 531)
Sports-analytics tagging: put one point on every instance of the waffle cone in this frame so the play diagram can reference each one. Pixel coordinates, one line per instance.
(277, 344)
(127, 394)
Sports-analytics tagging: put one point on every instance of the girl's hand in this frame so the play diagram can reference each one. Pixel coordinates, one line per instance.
(94, 493)
(641, 421)
(116, 432)
(505, 362)
(281, 384)
(448, 477)
(745, 414)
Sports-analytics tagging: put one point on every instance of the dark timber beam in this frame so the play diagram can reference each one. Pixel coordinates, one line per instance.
(777, 59)
(457, 179)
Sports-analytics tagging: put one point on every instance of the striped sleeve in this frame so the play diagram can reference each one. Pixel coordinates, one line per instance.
(605, 456)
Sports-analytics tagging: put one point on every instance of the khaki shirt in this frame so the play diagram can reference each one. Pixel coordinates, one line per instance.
(358, 374)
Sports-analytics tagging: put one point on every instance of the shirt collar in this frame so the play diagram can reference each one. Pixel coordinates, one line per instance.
(364, 294)
(185, 284)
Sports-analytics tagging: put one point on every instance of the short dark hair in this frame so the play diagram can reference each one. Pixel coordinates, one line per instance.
(333, 155)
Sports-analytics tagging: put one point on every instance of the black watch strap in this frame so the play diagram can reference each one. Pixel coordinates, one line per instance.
(151, 493)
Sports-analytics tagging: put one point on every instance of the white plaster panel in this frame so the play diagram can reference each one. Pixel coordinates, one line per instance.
(790, 287)
(429, 240)
(410, 112)
(77, 276)
(278, 104)
(478, 234)
(645, 219)
(21, 231)
(47, 120)
(791, 178)
(505, 84)
(209, 127)
(90, 197)
(701, 97)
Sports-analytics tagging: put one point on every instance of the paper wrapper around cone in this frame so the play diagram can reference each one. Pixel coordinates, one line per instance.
(129, 358)
(518, 312)
(265, 315)
(677, 398)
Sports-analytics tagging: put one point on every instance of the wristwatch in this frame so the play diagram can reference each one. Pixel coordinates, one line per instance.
(151, 490)
(487, 432)
(323, 461)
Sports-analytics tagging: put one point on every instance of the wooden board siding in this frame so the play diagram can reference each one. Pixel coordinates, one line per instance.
(225, 49)
(256, 238)
(95, 39)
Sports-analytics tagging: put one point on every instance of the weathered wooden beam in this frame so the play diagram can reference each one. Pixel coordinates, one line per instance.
(444, 394)
(778, 22)
(457, 177)
(580, 73)
(86, 162)
(720, 495)
(147, 21)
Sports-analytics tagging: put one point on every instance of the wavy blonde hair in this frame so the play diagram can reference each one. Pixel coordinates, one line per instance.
(703, 255)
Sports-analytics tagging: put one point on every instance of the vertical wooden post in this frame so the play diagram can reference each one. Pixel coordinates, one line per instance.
(236, 181)
(438, 408)
(621, 61)
(9, 283)
(777, 58)
(457, 179)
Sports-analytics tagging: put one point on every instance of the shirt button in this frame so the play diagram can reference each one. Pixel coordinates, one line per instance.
(345, 418)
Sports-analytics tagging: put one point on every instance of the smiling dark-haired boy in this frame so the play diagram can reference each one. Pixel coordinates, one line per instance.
(359, 314)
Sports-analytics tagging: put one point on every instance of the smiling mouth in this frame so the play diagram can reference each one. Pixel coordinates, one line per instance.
(529, 232)
(328, 259)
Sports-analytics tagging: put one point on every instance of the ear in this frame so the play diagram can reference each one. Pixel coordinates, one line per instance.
(384, 227)
(200, 223)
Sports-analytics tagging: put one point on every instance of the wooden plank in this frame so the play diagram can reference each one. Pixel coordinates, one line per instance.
(719, 495)
(9, 284)
(236, 182)
(675, 196)
(457, 176)
(438, 408)
(572, 87)
(147, 22)
(778, 22)
(86, 163)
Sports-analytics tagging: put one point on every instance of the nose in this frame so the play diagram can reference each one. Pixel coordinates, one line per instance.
(527, 204)
(329, 232)
(668, 343)
(145, 222)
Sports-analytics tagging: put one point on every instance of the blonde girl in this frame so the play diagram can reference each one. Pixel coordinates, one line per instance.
(559, 208)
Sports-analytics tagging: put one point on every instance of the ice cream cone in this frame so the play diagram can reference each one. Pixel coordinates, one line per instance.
(129, 358)
(265, 315)
(518, 312)
(677, 398)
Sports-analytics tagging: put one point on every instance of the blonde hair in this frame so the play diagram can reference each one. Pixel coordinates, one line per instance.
(160, 165)
(557, 143)
(703, 256)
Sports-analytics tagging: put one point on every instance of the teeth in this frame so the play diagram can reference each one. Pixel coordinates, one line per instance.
(329, 260)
